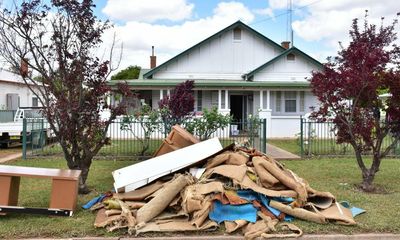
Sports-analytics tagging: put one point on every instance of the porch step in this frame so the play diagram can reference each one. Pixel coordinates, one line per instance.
(280, 154)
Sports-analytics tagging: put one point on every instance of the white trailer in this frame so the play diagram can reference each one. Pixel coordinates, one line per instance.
(12, 132)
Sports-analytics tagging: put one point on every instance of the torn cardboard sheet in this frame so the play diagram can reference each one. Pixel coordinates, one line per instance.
(339, 214)
(137, 175)
(231, 226)
(239, 175)
(296, 232)
(175, 226)
(298, 212)
(140, 194)
(264, 164)
(229, 158)
(163, 198)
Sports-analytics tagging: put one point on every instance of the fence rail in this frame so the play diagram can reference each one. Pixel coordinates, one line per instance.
(319, 138)
(134, 141)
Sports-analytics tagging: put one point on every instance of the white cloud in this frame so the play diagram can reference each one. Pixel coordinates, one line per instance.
(265, 11)
(329, 21)
(277, 4)
(138, 37)
(149, 10)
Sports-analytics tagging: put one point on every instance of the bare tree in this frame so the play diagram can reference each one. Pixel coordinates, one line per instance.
(58, 42)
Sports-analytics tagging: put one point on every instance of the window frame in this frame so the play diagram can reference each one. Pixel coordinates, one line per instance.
(291, 59)
(281, 97)
(237, 34)
(287, 98)
(199, 100)
(35, 99)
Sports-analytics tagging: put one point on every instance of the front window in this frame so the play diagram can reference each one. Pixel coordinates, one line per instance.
(290, 102)
(35, 102)
(199, 101)
(237, 34)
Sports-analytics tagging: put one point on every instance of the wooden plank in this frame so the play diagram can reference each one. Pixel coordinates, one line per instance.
(9, 190)
(6, 170)
(64, 194)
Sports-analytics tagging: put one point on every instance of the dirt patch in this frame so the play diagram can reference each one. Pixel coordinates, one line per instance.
(7, 152)
(378, 189)
(12, 150)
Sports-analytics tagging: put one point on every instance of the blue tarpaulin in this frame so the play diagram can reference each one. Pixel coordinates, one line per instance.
(250, 195)
(221, 212)
(94, 201)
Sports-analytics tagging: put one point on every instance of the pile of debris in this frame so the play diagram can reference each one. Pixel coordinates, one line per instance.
(200, 186)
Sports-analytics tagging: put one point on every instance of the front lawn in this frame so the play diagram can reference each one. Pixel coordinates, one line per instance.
(328, 174)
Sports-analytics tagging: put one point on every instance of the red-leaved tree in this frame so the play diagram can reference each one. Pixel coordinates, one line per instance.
(177, 107)
(349, 86)
(57, 42)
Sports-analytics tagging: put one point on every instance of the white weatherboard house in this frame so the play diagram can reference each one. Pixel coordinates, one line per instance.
(14, 92)
(241, 72)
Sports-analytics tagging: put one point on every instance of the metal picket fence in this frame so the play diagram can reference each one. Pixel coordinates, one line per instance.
(318, 138)
(133, 143)
(34, 136)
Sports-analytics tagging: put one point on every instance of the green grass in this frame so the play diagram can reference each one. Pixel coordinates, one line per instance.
(328, 174)
(289, 145)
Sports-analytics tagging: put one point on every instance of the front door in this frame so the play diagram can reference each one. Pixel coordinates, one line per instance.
(237, 107)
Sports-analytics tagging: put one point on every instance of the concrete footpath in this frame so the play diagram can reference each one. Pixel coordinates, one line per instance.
(280, 154)
(10, 157)
(367, 236)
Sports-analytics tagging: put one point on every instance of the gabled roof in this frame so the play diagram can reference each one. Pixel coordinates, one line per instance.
(285, 53)
(234, 25)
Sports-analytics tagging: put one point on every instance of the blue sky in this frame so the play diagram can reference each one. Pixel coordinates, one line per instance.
(174, 25)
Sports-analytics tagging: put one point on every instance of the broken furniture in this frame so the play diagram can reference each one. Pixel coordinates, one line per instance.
(137, 175)
(176, 139)
(64, 189)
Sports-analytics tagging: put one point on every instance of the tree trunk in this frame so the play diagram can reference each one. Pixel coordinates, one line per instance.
(83, 188)
(368, 178)
(369, 174)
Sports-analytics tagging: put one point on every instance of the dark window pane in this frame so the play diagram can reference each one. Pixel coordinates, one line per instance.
(290, 105)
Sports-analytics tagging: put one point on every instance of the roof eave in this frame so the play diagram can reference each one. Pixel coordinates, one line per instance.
(287, 51)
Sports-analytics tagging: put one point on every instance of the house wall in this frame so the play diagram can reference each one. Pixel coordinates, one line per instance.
(284, 70)
(25, 95)
(284, 126)
(221, 58)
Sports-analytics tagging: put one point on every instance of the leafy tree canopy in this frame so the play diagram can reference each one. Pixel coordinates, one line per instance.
(131, 72)
(177, 107)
